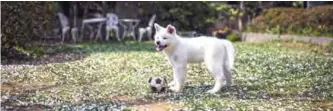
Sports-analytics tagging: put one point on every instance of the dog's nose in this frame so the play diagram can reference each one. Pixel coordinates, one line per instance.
(158, 42)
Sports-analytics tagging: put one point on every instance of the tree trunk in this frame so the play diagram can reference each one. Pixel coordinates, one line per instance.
(74, 30)
(240, 23)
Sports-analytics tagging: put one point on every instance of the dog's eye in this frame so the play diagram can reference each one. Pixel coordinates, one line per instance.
(164, 38)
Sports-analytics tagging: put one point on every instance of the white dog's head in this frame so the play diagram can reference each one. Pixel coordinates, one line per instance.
(165, 37)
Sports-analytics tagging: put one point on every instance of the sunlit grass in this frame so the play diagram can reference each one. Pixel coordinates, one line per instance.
(272, 75)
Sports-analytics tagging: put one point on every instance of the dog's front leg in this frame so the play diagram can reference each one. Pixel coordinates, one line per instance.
(173, 82)
(179, 74)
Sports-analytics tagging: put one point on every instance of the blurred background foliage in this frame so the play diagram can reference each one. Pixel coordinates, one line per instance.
(25, 23)
(185, 15)
(315, 21)
(21, 23)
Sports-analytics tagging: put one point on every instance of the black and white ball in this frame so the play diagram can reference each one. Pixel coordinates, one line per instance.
(157, 84)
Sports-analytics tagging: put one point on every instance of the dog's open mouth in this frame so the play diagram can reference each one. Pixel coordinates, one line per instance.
(160, 47)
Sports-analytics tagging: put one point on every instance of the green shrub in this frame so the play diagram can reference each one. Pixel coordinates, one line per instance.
(315, 21)
(23, 22)
(185, 15)
(234, 37)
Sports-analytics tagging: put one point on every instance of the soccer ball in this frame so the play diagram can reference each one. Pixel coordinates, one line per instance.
(157, 84)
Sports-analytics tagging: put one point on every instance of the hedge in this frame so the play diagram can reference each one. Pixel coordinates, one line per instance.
(185, 16)
(22, 22)
(315, 21)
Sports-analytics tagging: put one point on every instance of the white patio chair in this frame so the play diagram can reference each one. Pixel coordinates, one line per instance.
(148, 29)
(64, 25)
(112, 24)
(129, 27)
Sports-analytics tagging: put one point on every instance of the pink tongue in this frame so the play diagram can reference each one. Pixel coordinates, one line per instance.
(158, 48)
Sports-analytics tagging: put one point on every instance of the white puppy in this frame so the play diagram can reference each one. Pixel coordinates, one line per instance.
(217, 54)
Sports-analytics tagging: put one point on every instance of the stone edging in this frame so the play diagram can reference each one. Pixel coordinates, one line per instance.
(253, 37)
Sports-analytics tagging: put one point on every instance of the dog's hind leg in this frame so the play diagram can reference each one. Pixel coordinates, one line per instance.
(229, 63)
(217, 72)
(227, 74)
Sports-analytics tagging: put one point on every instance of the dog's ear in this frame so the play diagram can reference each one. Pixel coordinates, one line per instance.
(149, 80)
(171, 29)
(157, 27)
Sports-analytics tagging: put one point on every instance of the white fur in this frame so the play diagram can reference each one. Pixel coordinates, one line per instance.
(217, 54)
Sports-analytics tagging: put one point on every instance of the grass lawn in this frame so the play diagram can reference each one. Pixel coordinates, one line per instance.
(271, 75)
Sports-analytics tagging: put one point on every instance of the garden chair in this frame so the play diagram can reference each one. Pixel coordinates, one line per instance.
(112, 24)
(148, 29)
(64, 25)
(129, 27)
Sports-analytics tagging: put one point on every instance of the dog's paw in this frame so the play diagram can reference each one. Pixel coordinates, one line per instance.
(212, 91)
(175, 88)
(172, 83)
